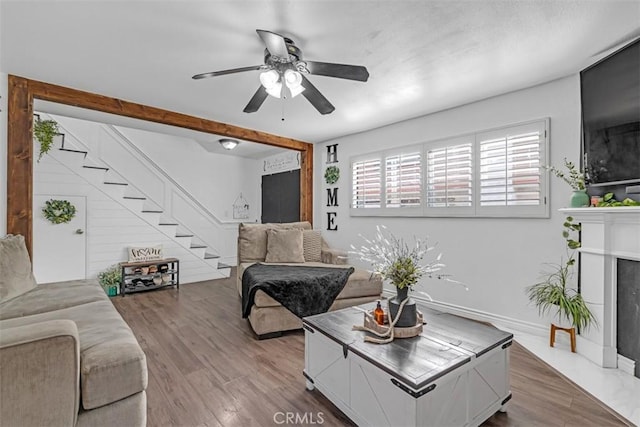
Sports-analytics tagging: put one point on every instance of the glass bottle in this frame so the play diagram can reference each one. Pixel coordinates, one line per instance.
(378, 314)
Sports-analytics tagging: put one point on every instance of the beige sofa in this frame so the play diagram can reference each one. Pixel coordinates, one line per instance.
(67, 358)
(268, 318)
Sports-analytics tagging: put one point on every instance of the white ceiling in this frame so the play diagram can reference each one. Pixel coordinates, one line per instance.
(422, 56)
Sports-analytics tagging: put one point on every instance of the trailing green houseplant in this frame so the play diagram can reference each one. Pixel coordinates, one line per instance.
(553, 294)
(44, 131)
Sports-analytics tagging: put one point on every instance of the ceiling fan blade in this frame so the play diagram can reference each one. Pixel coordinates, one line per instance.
(224, 72)
(316, 99)
(256, 100)
(275, 43)
(341, 71)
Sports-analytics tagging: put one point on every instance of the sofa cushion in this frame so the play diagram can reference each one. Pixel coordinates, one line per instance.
(16, 277)
(312, 245)
(53, 296)
(112, 364)
(252, 239)
(284, 246)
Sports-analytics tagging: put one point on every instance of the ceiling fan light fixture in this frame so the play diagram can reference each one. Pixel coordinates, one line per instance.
(271, 81)
(275, 90)
(228, 144)
(293, 80)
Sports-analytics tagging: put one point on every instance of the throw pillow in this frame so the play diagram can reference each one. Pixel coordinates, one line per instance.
(15, 265)
(284, 246)
(312, 245)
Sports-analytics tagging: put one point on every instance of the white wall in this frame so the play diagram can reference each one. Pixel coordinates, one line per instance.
(215, 180)
(496, 257)
(4, 92)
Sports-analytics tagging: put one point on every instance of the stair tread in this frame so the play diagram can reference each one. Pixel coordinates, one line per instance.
(208, 255)
(116, 183)
(72, 151)
(222, 265)
(134, 198)
(95, 167)
(197, 246)
(184, 235)
(167, 223)
(152, 211)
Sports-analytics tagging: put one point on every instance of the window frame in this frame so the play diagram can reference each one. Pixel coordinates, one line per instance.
(541, 210)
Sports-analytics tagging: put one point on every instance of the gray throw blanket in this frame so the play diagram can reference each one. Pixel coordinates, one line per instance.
(304, 291)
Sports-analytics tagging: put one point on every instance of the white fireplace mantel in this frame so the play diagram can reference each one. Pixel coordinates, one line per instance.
(607, 234)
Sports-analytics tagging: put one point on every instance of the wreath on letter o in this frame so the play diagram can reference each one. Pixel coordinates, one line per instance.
(332, 175)
(59, 211)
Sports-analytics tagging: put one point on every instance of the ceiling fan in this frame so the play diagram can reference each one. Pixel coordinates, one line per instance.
(284, 71)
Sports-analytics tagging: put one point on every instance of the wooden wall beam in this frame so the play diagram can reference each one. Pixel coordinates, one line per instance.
(23, 91)
(19, 159)
(306, 185)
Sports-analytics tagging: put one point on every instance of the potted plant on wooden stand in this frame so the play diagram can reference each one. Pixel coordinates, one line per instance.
(554, 294)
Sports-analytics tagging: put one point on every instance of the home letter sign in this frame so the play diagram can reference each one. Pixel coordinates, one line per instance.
(332, 193)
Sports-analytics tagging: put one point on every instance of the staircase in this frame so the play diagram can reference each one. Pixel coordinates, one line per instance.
(199, 261)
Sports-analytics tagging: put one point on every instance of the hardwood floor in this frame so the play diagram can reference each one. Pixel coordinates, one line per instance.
(207, 369)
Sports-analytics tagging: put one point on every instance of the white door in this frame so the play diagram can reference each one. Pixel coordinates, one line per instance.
(59, 250)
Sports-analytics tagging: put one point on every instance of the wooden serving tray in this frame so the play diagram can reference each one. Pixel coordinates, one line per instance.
(410, 332)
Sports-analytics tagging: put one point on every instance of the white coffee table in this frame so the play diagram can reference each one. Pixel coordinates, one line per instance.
(456, 373)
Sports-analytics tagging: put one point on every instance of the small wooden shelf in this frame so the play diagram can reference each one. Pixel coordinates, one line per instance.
(133, 281)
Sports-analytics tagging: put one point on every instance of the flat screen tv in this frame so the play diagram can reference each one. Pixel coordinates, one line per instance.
(610, 95)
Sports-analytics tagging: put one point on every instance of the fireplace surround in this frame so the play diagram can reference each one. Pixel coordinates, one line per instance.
(608, 234)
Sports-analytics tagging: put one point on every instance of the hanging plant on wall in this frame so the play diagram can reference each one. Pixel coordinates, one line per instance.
(59, 211)
(44, 131)
(332, 175)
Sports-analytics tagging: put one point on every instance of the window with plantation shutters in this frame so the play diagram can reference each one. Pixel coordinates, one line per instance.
(510, 164)
(403, 180)
(450, 176)
(365, 182)
(494, 173)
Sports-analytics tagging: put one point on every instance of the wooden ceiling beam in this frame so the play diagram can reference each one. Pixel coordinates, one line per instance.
(23, 91)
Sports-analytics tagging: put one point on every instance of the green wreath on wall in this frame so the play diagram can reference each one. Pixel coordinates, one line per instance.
(59, 211)
(332, 175)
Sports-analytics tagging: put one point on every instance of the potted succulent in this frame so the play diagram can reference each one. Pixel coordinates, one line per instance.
(575, 179)
(44, 131)
(554, 294)
(110, 279)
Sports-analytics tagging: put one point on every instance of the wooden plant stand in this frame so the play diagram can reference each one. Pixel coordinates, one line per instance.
(570, 331)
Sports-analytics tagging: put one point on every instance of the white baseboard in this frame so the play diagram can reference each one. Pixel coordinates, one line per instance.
(626, 365)
(497, 320)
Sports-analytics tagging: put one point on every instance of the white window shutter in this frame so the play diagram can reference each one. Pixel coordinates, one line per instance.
(510, 169)
(403, 180)
(450, 176)
(366, 181)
